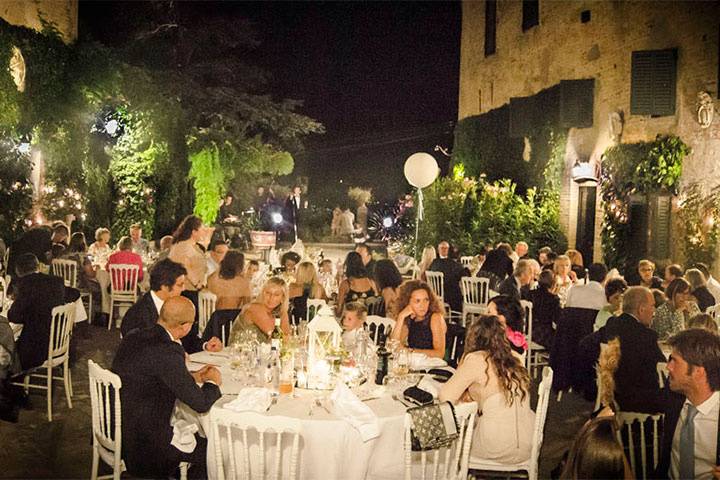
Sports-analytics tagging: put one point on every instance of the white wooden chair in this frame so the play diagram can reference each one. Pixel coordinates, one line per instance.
(436, 280)
(662, 372)
(206, 301)
(377, 324)
(537, 355)
(448, 463)
(466, 261)
(375, 305)
(530, 465)
(106, 420)
(244, 432)
(61, 324)
(123, 287)
(629, 431)
(313, 306)
(415, 273)
(68, 271)
(475, 296)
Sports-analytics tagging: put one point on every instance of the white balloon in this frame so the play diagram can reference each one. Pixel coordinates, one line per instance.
(421, 169)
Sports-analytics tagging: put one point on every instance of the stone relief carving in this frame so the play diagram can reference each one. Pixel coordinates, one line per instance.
(705, 109)
(17, 69)
(616, 123)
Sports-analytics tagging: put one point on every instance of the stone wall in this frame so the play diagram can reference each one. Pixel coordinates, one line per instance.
(563, 48)
(61, 13)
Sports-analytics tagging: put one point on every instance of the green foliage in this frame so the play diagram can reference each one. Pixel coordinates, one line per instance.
(635, 169)
(208, 179)
(15, 191)
(470, 213)
(700, 217)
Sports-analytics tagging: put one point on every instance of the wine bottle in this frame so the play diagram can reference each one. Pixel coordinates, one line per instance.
(276, 337)
(382, 364)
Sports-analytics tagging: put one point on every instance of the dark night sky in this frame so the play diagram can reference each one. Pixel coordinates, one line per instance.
(382, 77)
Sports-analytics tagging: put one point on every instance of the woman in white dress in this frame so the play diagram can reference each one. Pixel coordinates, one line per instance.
(492, 375)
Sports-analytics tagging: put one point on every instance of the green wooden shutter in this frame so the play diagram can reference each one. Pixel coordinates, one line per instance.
(664, 82)
(653, 78)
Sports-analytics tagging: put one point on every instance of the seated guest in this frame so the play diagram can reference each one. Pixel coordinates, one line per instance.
(564, 276)
(125, 256)
(288, 261)
(251, 274)
(164, 247)
(576, 263)
(546, 309)
(36, 295)
(88, 276)
(167, 280)
(452, 271)
(543, 256)
(550, 261)
(217, 251)
(659, 296)
(614, 290)
(712, 284)
(357, 285)
(327, 279)
(353, 320)
(139, 244)
(522, 276)
(689, 442)
(187, 252)
(636, 384)
(498, 261)
(512, 316)
(427, 257)
(671, 273)
(520, 252)
(703, 320)
(699, 290)
(388, 280)
(100, 250)
(596, 453)
(229, 284)
(492, 375)
(39, 241)
(366, 255)
(306, 286)
(671, 316)
(420, 324)
(259, 316)
(646, 277)
(151, 365)
(592, 294)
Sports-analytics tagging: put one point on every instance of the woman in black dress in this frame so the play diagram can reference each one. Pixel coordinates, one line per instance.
(420, 321)
(546, 309)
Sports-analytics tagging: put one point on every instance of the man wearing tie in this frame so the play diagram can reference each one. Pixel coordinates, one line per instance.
(292, 208)
(690, 440)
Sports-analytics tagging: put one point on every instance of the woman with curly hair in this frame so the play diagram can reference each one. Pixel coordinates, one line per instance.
(512, 317)
(492, 375)
(420, 323)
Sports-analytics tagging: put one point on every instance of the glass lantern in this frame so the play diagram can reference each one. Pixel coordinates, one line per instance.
(324, 337)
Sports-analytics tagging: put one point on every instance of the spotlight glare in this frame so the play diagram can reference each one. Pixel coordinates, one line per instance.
(24, 148)
(277, 218)
(387, 222)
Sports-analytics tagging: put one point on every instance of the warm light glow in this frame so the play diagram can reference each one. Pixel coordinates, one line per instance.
(387, 222)
(277, 218)
(24, 148)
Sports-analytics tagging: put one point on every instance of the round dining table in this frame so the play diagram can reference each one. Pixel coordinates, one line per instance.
(330, 447)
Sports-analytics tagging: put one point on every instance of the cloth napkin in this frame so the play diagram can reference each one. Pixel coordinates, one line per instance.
(346, 405)
(253, 399)
(185, 425)
(429, 385)
(420, 361)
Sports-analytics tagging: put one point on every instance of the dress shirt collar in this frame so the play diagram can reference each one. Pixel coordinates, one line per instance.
(157, 301)
(709, 405)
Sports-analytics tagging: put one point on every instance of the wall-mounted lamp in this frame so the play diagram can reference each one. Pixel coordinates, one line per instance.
(583, 171)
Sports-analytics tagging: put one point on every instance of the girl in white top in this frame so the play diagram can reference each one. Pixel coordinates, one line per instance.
(492, 375)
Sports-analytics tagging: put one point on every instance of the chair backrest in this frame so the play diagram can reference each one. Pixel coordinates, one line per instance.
(475, 290)
(206, 301)
(65, 269)
(61, 325)
(628, 437)
(466, 261)
(313, 306)
(106, 414)
(714, 312)
(527, 326)
(448, 463)
(3, 293)
(454, 343)
(436, 280)
(243, 430)
(375, 306)
(662, 373)
(415, 272)
(379, 325)
(123, 279)
(540, 416)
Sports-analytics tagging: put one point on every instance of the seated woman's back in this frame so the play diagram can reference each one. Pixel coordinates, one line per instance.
(228, 283)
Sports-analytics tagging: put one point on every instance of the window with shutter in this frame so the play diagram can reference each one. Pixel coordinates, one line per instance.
(652, 82)
(490, 26)
(660, 228)
(530, 14)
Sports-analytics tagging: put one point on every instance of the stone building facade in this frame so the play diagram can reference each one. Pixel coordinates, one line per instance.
(595, 40)
(63, 14)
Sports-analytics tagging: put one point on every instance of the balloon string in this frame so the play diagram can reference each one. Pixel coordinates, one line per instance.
(421, 209)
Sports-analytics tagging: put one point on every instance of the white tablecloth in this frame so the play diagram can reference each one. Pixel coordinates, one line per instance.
(330, 448)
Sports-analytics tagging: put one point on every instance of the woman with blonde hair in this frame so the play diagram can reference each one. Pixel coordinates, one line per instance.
(305, 286)
(259, 316)
(576, 262)
(492, 375)
(428, 255)
(100, 249)
(699, 290)
(564, 276)
(420, 323)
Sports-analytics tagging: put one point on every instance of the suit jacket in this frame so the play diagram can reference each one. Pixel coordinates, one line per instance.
(37, 294)
(509, 287)
(453, 271)
(673, 408)
(636, 381)
(37, 241)
(152, 369)
(144, 315)
(499, 263)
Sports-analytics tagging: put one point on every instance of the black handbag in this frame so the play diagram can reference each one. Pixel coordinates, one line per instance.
(417, 396)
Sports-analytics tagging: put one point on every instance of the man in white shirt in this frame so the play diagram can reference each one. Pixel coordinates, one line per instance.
(591, 295)
(712, 284)
(690, 440)
(520, 252)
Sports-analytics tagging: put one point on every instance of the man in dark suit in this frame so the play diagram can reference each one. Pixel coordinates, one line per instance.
(498, 261)
(521, 277)
(151, 365)
(37, 294)
(39, 241)
(167, 280)
(452, 271)
(690, 447)
(292, 211)
(636, 381)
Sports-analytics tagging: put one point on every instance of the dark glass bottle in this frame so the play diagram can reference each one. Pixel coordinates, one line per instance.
(383, 357)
